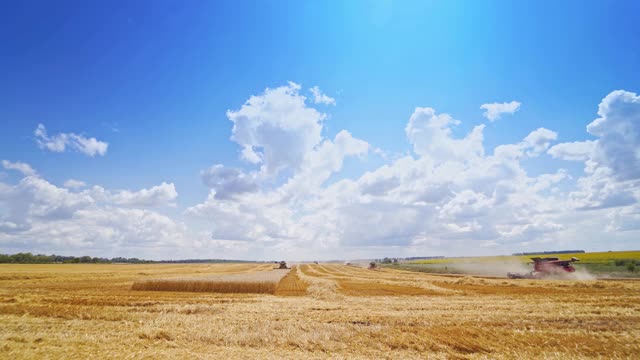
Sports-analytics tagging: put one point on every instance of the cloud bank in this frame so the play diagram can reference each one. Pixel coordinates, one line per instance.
(38, 215)
(448, 196)
(292, 197)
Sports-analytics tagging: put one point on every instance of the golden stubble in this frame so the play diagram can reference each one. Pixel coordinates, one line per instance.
(336, 311)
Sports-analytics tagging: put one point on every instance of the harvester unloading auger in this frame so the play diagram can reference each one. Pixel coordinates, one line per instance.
(546, 267)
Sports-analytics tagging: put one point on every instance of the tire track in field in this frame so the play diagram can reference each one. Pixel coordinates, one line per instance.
(291, 285)
(363, 282)
(357, 281)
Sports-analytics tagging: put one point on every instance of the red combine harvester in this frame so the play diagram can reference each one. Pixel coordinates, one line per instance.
(546, 267)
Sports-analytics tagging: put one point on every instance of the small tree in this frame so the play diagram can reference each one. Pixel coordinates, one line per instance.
(631, 267)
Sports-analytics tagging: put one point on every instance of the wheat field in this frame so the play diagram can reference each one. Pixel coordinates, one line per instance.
(321, 311)
(259, 282)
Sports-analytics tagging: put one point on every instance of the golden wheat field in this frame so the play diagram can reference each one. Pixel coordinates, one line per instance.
(80, 311)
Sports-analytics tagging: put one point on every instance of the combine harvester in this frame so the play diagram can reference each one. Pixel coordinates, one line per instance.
(546, 267)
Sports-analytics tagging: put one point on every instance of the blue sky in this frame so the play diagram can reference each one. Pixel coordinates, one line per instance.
(154, 80)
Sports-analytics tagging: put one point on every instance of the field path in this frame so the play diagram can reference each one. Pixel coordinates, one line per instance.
(359, 281)
(291, 285)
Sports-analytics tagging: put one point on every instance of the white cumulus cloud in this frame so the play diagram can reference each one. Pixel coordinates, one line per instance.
(576, 151)
(539, 140)
(276, 128)
(74, 184)
(159, 195)
(228, 182)
(612, 161)
(321, 98)
(36, 215)
(24, 168)
(494, 111)
(430, 134)
(63, 141)
(618, 132)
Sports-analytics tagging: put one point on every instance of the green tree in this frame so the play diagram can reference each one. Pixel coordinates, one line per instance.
(22, 258)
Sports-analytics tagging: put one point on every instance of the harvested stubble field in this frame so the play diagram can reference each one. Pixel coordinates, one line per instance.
(90, 311)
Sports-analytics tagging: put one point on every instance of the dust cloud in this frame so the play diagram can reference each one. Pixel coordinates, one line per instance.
(502, 268)
(490, 268)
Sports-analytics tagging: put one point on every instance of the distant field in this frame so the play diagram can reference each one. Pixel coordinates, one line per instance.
(612, 264)
(322, 311)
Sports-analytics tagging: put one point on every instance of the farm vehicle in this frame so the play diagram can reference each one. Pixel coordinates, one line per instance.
(546, 267)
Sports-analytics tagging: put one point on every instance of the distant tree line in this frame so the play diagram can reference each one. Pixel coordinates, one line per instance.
(29, 258)
(198, 261)
(549, 252)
